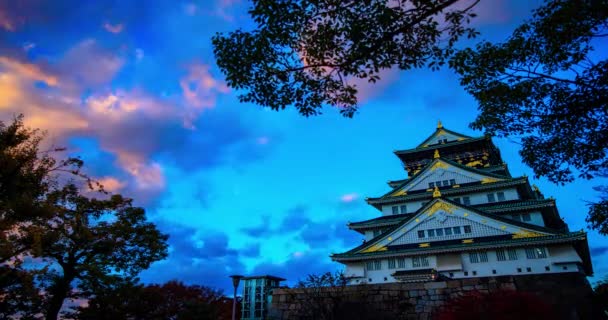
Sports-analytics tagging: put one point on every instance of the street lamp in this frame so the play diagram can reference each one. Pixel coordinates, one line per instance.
(235, 283)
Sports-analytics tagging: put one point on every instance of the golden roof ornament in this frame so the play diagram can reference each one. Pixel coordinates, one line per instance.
(439, 125)
(436, 155)
(436, 193)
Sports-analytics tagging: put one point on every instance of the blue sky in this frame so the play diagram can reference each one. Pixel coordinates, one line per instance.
(132, 88)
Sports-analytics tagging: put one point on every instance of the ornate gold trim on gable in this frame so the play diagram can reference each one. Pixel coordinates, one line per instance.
(438, 165)
(526, 234)
(441, 206)
(401, 192)
(374, 248)
(489, 180)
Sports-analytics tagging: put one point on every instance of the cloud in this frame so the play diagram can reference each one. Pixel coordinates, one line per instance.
(111, 184)
(197, 257)
(27, 71)
(113, 28)
(598, 251)
(349, 197)
(88, 64)
(200, 88)
(298, 266)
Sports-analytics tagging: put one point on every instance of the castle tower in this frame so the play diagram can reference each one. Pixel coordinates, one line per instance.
(459, 214)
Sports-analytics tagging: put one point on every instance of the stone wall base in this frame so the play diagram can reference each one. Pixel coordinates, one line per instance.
(568, 293)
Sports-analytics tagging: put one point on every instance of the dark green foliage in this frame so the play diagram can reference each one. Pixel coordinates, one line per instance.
(306, 53)
(172, 300)
(68, 240)
(547, 86)
(600, 299)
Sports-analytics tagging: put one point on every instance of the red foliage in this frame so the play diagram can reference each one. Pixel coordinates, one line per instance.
(499, 305)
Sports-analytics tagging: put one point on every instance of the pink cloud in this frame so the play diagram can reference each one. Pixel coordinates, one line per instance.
(7, 21)
(113, 28)
(88, 64)
(348, 198)
(200, 88)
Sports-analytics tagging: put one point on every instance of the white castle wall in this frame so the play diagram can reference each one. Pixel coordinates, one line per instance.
(561, 258)
(476, 198)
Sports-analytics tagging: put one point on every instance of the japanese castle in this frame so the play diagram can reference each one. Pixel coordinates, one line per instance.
(459, 214)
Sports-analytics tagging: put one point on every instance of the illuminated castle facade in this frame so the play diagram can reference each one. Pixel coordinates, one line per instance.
(459, 214)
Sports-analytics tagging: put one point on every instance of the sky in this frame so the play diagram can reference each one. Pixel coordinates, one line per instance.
(133, 89)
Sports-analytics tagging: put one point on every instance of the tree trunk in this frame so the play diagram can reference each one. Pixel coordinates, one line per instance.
(58, 292)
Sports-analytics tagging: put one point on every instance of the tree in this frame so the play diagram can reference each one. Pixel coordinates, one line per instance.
(306, 53)
(68, 241)
(547, 86)
(91, 241)
(26, 175)
(499, 305)
(172, 300)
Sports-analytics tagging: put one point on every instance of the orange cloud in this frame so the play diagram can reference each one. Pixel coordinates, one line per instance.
(28, 71)
(111, 184)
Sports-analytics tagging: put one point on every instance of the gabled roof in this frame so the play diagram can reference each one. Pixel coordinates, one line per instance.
(495, 208)
(380, 242)
(442, 131)
(444, 163)
(450, 191)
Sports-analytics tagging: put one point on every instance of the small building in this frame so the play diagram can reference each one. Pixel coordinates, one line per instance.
(257, 292)
(458, 214)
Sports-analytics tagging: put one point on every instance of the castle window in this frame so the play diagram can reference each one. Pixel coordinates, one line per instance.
(439, 232)
(483, 256)
(448, 231)
(378, 264)
(431, 185)
(512, 253)
(500, 255)
(446, 183)
(536, 253)
(395, 209)
(518, 269)
(456, 230)
(438, 183)
(452, 182)
(369, 265)
(466, 201)
(491, 197)
(401, 262)
(501, 196)
(525, 217)
(467, 229)
(493, 271)
(547, 268)
(529, 269)
(431, 233)
(403, 208)
(473, 257)
(477, 257)
(420, 233)
(391, 263)
(456, 200)
(474, 273)
(418, 262)
(466, 273)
